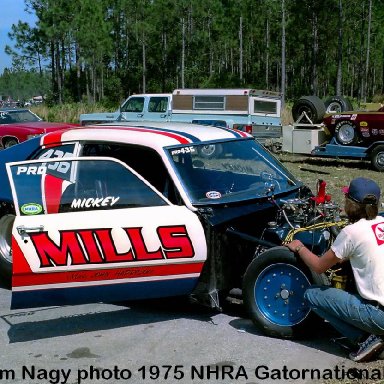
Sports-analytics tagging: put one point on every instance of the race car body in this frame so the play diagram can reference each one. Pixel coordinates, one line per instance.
(133, 211)
(356, 128)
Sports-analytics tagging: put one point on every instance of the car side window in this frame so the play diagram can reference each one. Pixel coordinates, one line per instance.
(79, 185)
(104, 184)
(145, 161)
(134, 104)
(158, 104)
(6, 118)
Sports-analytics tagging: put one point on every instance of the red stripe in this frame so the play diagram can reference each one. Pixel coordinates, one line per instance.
(179, 138)
(52, 191)
(53, 137)
(105, 274)
(244, 134)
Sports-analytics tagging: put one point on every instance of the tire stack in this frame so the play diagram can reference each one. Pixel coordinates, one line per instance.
(311, 109)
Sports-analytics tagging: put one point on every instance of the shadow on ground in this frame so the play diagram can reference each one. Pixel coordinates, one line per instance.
(47, 322)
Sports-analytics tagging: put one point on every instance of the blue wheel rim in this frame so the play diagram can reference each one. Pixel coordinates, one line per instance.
(279, 294)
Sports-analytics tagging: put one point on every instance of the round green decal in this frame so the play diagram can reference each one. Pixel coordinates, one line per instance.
(31, 209)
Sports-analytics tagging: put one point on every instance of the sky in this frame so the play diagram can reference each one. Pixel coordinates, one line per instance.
(11, 11)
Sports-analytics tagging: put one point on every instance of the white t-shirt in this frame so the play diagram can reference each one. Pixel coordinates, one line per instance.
(363, 244)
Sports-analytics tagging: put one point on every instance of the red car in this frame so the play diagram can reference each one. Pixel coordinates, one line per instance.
(356, 128)
(18, 125)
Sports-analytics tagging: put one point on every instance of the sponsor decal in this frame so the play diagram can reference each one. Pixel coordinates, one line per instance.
(375, 132)
(365, 132)
(183, 150)
(32, 169)
(363, 124)
(98, 246)
(95, 202)
(213, 195)
(31, 209)
(353, 117)
(378, 230)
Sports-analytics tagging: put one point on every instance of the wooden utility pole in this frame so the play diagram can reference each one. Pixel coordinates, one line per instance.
(282, 54)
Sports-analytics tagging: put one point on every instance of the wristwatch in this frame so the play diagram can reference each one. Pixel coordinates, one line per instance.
(297, 249)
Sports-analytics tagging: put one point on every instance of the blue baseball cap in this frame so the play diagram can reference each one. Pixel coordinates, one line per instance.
(363, 191)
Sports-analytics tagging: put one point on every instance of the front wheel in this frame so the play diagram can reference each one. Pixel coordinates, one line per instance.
(377, 158)
(273, 290)
(345, 133)
(10, 143)
(6, 224)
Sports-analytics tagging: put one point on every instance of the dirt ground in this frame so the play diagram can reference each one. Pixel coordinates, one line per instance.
(337, 173)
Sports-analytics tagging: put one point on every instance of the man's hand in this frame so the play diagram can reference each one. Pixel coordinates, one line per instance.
(318, 264)
(294, 245)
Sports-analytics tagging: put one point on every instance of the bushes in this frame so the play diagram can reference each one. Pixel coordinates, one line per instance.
(68, 113)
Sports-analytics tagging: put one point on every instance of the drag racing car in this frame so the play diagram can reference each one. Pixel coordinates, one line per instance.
(356, 128)
(128, 211)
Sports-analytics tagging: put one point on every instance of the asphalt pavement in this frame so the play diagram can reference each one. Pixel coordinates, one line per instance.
(163, 341)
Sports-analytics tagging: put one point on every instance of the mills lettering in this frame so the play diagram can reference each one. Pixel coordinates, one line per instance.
(96, 246)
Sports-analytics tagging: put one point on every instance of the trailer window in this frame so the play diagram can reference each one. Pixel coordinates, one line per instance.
(209, 102)
(263, 106)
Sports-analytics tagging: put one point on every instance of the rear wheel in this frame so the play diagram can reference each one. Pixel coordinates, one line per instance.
(6, 224)
(273, 289)
(345, 133)
(309, 109)
(377, 158)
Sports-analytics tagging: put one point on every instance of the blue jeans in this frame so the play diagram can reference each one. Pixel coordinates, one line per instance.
(350, 314)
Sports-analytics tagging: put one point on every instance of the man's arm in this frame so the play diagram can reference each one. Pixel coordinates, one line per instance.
(315, 263)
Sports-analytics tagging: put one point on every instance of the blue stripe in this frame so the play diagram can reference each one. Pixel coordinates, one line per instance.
(103, 293)
(233, 131)
(193, 138)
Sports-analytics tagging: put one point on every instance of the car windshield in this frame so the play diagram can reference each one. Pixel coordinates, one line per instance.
(230, 171)
(17, 116)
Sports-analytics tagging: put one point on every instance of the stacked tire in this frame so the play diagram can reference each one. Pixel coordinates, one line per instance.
(311, 109)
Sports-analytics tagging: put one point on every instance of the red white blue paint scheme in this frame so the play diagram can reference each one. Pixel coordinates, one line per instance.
(143, 210)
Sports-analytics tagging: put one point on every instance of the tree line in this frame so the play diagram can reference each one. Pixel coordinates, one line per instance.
(97, 50)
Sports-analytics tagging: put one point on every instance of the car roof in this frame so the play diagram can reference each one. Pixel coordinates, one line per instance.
(150, 134)
(150, 95)
(10, 109)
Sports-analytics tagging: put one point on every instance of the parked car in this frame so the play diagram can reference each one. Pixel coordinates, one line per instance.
(18, 125)
(129, 211)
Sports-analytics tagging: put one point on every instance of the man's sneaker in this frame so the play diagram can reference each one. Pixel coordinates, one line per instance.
(369, 349)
